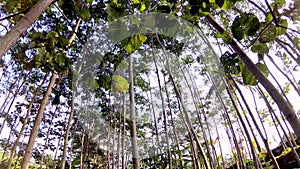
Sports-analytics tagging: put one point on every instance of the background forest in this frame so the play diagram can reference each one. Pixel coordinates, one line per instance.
(173, 84)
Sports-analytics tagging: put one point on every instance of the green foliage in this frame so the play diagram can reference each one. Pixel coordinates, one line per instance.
(70, 8)
(119, 83)
(16, 163)
(133, 43)
(229, 4)
(45, 48)
(248, 77)
(115, 12)
(85, 14)
(220, 3)
(268, 34)
(280, 30)
(17, 5)
(188, 60)
(261, 48)
(230, 63)
(225, 36)
(163, 9)
(246, 24)
(90, 82)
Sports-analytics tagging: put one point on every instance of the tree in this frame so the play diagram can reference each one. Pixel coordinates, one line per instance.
(21, 27)
(199, 79)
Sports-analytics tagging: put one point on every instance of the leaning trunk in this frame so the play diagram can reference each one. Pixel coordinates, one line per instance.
(37, 122)
(22, 25)
(283, 105)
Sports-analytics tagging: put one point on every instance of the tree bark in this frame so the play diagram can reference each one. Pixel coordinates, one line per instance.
(72, 101)
(133, 131)
(165, 118)
(16, 143)
(37, 122)
(22, 25)
(285, 107)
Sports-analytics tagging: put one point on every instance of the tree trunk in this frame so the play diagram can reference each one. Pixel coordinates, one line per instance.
(72, 102)
(37, 122)
(164, 112)
(285, 107)
(133, 132)
(22, 25)
(16, 143)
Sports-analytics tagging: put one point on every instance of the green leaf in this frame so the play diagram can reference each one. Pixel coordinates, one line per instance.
(252, 25)
(52, 34)
(279, 2)
(237, 32)
(220, 3)
(282, 30)
(248, 77)
(85, 14)
(119, 83)
(90, 82)
(269, 34)
(230, 63)
(269, 17)
(225, 36)
(135, 1)
(246, 24)
(60, 59)
(227, 4)
(260, 48)
(76, 161)
(114, 12)
(89, 1)
(123, 65)
(133, 43)
(263, 68)
(143, 7)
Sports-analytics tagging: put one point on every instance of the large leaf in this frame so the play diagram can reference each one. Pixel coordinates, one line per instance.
(133, 43)
(260, 48)
(248, 77)
(220, 3)
(230, 63)
(119, 83)
(122, 65)
(114, 11)
(228, 4)
(269, 34)
(246, 24)
(85, 14)
(263, 68)
(225, 36)
(60, 59)
(90, 82)
(282, 28)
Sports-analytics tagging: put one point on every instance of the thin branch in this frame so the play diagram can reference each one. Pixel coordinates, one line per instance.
(15, 14)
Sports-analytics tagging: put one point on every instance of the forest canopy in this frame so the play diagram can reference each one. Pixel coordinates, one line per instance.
(111, 84)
